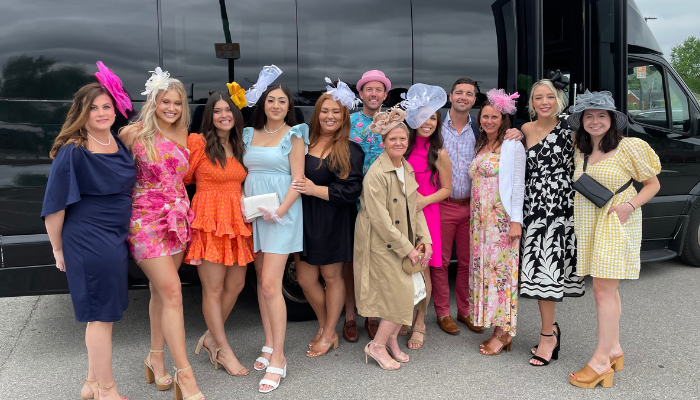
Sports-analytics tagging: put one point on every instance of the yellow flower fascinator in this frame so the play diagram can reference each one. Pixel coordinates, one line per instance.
(237, 94)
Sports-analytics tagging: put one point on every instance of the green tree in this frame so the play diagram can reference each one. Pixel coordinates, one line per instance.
(685, 58)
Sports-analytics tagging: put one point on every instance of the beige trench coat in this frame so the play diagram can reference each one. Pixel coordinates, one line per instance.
(384, 235)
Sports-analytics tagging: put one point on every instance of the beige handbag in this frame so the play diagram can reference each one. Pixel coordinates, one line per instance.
(408, 266)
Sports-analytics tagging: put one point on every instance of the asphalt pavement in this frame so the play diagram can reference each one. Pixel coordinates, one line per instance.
(43, 355)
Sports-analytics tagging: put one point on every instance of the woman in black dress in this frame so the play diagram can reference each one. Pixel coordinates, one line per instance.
(86, 209)
(331, 186)
(548, 265)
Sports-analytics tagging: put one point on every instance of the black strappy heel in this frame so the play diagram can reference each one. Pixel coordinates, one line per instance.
(555, 352)
(534, 348)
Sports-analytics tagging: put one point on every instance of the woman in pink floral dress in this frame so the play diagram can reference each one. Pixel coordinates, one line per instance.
(498, 189)
(159, 230)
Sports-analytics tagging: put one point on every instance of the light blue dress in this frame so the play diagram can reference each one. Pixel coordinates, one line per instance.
(269, 172)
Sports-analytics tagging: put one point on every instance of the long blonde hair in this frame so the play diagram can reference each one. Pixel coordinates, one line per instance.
(558, 93)
(73, 130)
(149, 121)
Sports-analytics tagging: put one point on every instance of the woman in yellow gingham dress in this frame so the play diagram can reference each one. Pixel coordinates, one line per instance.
(608, 238)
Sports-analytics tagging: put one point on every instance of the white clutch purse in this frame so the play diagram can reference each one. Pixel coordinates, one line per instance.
(251, 204)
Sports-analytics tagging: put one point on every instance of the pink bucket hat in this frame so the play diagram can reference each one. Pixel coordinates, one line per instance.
(374, 75)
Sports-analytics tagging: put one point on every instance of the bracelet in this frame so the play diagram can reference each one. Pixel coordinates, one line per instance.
(633, 207)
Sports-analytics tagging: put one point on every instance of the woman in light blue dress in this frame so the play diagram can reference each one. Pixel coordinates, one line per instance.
(274, 154)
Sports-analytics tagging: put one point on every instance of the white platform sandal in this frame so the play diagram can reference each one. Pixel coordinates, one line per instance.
(282, 372)
(262, 360)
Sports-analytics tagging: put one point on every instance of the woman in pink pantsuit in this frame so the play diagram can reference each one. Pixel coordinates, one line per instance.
(433, 170)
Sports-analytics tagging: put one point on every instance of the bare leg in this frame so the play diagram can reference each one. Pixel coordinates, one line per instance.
(608, 306)
(386, 329)
(234, 282)
(262, 303)
(307, 276)
(98, 338)
(547, 343)
(349, 278)
(90, 386)
(162, 272)
(420, 316)
(335, 296)
(213, 278)
(271, 284)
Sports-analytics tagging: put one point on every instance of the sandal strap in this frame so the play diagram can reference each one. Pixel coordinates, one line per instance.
(156, 351)
(377, 344)
(267, 350)
(177, 371)
(264, 361)
(540, 359)
(542, 334)
(419, 329)
(269, 383)
(275, 370)
(106, 387)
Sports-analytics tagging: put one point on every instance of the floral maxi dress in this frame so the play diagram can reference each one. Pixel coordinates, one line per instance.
(493, 286)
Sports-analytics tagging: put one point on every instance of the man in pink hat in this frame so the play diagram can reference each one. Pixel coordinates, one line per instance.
(373, 88)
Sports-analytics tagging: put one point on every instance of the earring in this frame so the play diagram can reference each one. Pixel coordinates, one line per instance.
(481, 129)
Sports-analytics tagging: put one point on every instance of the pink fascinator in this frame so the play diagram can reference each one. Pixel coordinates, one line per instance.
(502, 101)
(112, 83)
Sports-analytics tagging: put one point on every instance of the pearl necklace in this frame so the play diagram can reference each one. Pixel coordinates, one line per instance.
(283, 125)
(109, 139)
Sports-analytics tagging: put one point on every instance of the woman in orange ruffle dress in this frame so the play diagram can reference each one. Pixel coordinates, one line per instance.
(222, 242)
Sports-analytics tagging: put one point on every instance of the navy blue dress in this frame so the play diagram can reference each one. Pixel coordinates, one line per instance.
(95, 191)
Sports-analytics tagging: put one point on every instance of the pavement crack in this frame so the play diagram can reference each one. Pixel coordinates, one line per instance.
(19, 335)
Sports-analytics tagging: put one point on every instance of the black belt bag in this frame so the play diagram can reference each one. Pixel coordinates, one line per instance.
(594, 191)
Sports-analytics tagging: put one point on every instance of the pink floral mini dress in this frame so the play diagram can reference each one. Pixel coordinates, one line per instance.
(161, 214)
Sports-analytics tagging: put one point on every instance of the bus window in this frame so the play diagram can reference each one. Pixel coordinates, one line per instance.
(680, 113)
(645, 95)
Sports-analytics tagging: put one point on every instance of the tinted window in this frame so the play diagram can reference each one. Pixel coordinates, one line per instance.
(453, 39)
(49, 48)
(349, 38)
(645, 94)
(680, 114)
(265, 30)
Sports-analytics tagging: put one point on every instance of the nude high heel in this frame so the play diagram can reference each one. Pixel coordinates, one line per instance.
(200, 346)
(178, 389)
(401, 357)
(164, 382)
(392, 365)
(92, 387)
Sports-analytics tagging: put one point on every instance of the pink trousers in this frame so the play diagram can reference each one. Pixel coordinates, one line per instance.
(455, 228)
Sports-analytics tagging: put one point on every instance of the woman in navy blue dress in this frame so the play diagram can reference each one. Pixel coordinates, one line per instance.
(86, 209)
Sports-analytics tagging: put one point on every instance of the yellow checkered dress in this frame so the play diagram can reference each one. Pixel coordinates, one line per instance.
(605, 247)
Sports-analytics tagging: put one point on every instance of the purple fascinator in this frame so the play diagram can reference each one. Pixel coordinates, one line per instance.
(112, 83)
(502, 101)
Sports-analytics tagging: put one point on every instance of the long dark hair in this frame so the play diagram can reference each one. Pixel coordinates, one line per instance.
(339, 145)
(73, 130)
(214, 150)
(609, 142)
(482, 140)
(259, 117)
(436, 142)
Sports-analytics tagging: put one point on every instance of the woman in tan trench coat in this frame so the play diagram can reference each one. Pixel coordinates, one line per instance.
(387, 228)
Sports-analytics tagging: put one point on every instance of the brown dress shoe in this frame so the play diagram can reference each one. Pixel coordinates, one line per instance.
(465, 319)
(371, 326)
(448, 325)
(350, 331)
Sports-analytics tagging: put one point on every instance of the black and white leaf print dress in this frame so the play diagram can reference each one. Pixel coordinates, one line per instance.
(548, 262)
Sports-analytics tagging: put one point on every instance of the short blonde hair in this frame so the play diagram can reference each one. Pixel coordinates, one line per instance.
(558, 93)
(401, 125)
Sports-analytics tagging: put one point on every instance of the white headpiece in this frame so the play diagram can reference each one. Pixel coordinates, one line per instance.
(421, 102)
(158, 81)
(268, 75)
(342, 93)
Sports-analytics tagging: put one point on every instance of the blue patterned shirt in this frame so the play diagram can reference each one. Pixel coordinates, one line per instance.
(460, 148)
(371, 143)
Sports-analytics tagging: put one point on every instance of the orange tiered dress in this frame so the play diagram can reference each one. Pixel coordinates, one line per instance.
(219, 232)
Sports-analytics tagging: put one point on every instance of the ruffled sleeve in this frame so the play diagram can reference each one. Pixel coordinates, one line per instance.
(196, 145)
(62, 188)
(247, 135)
(639, 159)
(347, 191)
(300, 131)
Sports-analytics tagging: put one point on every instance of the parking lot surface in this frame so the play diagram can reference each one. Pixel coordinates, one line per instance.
(43, 355)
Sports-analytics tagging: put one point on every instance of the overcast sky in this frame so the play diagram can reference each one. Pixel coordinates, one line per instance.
(677, 19)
